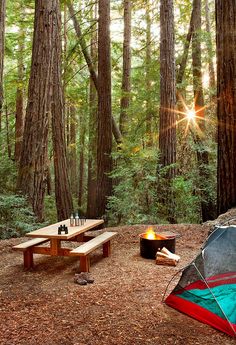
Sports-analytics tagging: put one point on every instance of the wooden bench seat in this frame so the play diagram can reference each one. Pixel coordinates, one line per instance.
(85, 249)
(26, 248)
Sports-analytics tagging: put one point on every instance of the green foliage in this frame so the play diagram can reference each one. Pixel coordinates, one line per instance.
(7, 175)
(137, 197)
(134, 193)
(16, 217)
(186, 202)
(50, 212)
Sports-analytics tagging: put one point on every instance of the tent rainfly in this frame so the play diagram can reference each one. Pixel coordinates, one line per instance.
(206, 290)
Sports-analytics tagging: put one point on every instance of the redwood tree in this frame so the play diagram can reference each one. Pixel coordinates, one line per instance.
(104, 143)
(167, 126)
(210, 47)
(19, 123)
(44, 96)
(126, 79)
(148, 81)
(32, 175)
(92, 161)
(2, 38)
(62, 186)
(167, 137)
(226, 103)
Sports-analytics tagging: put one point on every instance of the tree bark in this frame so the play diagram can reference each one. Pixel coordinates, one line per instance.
(32, 175)
(92, 160)
(8, 133)
(62, 186)
(73, 162)
(210, 48)
(104, 145)
(81, 160)
(126, 76)
(115, 129)
(226, 103)
(167, 136)
(19, 123)
(148, 83)
(197, 66)
(2, 46)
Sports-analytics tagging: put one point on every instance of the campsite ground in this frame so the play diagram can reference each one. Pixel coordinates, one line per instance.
(123, 306)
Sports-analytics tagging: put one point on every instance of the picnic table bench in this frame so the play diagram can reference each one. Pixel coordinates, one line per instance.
(85, 249)
(75, 233)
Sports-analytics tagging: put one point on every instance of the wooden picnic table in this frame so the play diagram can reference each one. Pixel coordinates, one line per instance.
(75, 233)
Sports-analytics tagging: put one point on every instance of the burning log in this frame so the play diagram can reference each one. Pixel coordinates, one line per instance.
(165, 257)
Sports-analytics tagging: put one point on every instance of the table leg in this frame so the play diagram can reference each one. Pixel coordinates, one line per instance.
(55, 245)
(84, 263)
(106, 249)
(28, 259)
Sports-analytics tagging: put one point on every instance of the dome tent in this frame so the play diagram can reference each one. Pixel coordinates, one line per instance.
(206, 290)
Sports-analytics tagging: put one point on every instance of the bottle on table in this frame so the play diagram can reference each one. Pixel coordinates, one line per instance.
(72, 220)
(76, 219)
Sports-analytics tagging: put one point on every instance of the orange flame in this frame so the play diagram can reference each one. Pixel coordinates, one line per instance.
(150, 233)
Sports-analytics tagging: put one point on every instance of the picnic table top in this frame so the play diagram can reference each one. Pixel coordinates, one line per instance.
(51, 231)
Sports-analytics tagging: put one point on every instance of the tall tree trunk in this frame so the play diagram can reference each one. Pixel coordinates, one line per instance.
(115, 129)
(8, 133)
(66, 107)
(19, 123)
(167, 136)
(184, 57)
(210, 48)
(148, 77)
(91, 182)
(197, 66)
(73, 169)
(207, 206)
(62, 186)
(226, 103)
(81, 160)
(126, 82)
(2, 45)
(33, 170)
(104, 145)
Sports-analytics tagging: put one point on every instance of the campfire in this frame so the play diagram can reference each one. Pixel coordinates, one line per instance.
(151, 235)
(151, 242)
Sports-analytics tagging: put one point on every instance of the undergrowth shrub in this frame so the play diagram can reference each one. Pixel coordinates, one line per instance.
(133, 200)
(140, 186)
(187, 204)
(8, 175)
(16, 217)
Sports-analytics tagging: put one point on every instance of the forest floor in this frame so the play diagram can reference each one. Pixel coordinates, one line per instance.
(122, 307)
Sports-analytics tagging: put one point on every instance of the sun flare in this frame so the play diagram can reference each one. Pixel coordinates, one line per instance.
(190, 113)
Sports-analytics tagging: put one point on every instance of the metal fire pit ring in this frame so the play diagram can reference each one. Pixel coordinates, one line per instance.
(149, 247)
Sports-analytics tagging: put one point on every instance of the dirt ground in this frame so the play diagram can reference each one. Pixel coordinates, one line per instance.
(122, 307)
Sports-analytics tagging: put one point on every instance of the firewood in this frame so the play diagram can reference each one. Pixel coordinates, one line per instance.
(170, 254)
(165, 261)
(165, 257)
